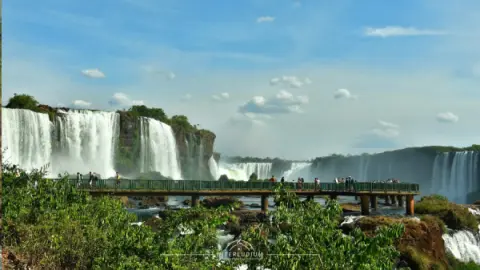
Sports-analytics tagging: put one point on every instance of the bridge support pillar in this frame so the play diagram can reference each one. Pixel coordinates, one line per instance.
(365, 205)
(410, 205)
(400, 200)
(393, 199)
(333, 197)
(195, 200)
(387, 200)
(356, 198)
(264, 203)
(310, 198)
(373, 202)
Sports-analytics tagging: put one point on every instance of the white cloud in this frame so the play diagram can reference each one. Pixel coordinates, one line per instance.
(343, 93)
(93, 73)
(282, 103)
(265, 19)
(221, 97)
(447, 117)
(395, 31)
(122, 100)
(386, 129)
(186, 97)
(169, 75)
(81, 104)
(290, 81)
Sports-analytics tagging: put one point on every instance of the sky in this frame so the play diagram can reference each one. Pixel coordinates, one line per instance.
(271, 78)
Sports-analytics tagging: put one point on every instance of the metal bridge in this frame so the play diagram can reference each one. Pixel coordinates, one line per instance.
(367, 191)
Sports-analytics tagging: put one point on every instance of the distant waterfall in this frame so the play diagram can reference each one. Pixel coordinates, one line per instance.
(242, 171)
(299, 169)
(85, 141)
(26, 138)
(158, 150)
(456, 174)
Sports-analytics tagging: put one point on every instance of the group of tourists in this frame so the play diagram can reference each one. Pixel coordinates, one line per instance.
(389, 180)
(299, 184)
(93, 178)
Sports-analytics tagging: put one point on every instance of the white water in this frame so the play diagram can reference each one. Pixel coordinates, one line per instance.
(86, 142)
(299, 169)
(213, 167)
(457, 178)
(81, 141)
(242, 171)
(464, 245)
(26, 138)
(158, 150)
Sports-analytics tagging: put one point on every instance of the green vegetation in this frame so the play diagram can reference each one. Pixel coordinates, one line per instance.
(455, 264)
(456, 217)
(23, 102)
(52, 225)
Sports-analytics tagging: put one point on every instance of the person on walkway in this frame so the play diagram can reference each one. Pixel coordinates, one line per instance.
(272, 179)
(317, 183)
(117, 176)
(282, 180)
(90, 178)
(78, 179)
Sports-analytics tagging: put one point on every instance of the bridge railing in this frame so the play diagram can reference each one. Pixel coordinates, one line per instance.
(199, 185)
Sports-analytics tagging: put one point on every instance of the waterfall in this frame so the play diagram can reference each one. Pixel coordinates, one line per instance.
(86, 141)
(464, 245)
(456, 174)
(212, 165)
(158, 149)
(242, 171)
(26, 138)
(299, 169)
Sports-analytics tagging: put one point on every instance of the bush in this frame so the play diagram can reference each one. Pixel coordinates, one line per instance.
(456, 217)
(23, 102)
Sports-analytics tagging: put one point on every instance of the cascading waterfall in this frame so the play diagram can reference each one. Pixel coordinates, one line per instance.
(456, 174)
(26, 138)
(158, 149)
(299, 169)
(86, 141)
(464, 245)
(242, 171)
(213, 167)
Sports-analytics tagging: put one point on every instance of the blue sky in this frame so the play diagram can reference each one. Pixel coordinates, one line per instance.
(405, 63)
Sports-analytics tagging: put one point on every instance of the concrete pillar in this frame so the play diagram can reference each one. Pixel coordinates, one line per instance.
(310, 198)
(373, 202)
(195, 200)
(333, 197)
(365, 205)
(400, 200)
(410, 205)
(393, 199)
(387, 200)
(356, 198)
(264, 203)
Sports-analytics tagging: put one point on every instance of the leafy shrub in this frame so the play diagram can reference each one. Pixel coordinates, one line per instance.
(456, 217)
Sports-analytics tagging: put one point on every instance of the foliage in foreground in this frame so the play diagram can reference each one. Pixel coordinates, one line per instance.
(307, 237)
(51, 225)
(456, 217)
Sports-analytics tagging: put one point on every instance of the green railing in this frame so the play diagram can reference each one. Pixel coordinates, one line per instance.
(199, 185)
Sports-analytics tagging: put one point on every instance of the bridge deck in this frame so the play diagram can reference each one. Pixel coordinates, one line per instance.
(211, 188)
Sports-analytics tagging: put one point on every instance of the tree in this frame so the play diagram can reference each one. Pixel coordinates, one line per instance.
(253, 177)
(155, 113)
(23, 102)
(181, 121)
(223, 177)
